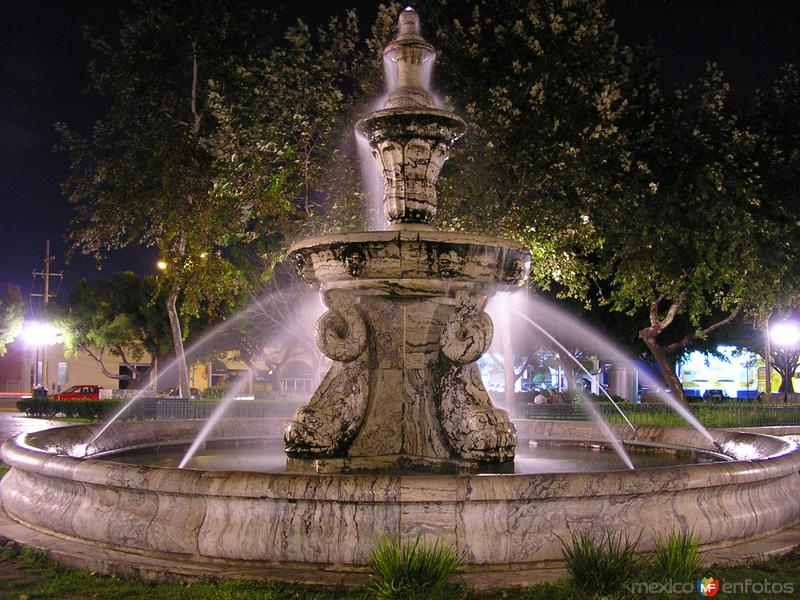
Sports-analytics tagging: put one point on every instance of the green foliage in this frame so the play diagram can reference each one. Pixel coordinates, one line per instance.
(33, 574)
(711, 415)
(122, 315)
(411, 571)
(145, 176)
(286, 130)
(676, 558)
(81, 409)
(215, 393)
(600, 565)
(12, 310)
(673, 203)
(540, 85)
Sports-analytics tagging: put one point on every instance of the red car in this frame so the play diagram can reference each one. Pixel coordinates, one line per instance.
(79, 392)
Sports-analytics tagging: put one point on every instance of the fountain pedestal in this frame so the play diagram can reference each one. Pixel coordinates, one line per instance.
(404, 328)
(405, 323)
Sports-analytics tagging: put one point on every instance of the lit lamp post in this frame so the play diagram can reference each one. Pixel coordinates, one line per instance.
(786, 335)
(161, 265)
(38, 335)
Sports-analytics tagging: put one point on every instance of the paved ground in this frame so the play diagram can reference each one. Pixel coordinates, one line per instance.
(13, 423)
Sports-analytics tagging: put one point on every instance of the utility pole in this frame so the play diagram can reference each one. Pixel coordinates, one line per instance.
(45, 296)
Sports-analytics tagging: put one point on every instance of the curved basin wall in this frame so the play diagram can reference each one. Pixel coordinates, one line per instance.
(337, 519)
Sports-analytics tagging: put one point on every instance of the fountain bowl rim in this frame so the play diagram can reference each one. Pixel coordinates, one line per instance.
(780, 457)
(407, 234)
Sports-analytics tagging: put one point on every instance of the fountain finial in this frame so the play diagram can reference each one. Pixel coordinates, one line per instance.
(408, 24)
(410, 52)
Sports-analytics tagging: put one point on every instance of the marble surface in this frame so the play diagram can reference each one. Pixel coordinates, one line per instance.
(406, 318)
(498, 521)
(410, 137)
(406, 393)
(412, 396)
(409, 262)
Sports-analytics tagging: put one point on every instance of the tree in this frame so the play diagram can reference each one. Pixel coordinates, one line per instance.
(119, 316)
(614, 179)
(681, 243)
(280, 326)
(145, 175)
(286, 130)
(12, 310)
(775, 113)
(539, 84)
(749, 336)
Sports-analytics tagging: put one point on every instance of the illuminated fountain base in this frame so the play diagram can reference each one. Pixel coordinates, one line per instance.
(322, 528)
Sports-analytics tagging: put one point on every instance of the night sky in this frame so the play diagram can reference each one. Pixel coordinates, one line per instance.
(43, 61)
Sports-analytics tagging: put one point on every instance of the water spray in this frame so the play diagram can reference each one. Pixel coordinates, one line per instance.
(577, 362)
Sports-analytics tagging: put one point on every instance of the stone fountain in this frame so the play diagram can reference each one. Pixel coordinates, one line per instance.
(406, 318)
(399, 435)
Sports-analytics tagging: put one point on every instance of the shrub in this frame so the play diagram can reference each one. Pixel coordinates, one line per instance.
(82, 409)
(409, 572)
(215, 393)
(677, 558)
(600, 566)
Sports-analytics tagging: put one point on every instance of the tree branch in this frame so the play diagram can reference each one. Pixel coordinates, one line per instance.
(672, 312)
(654, 321)
(195, 78)
(691, 337)
(99, 360)
(497, 361)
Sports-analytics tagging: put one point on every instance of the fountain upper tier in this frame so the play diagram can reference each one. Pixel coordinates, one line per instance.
(410, 140)
(410, 137)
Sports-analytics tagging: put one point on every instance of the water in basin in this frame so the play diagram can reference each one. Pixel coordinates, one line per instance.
(533, 456)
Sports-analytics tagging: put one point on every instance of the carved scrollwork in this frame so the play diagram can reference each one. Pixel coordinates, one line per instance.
(475, 430)
(451, 264)
(469, 331)
(327, 424)
(341, 333)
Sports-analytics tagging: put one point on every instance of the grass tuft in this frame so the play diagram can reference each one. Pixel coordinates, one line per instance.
(677, 558)
(411, 571)
(600, 565)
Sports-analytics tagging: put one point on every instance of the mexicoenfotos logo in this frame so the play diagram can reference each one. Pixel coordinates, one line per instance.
(707, 587)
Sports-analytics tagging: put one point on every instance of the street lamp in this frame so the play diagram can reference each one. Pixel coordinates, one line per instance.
(37, 335)
(162, 265)
(786, 335)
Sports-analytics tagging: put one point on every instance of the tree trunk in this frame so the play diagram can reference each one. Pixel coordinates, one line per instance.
(767, 361)
(662, 359)
(569, 374)
(786, 369)
(177, 340)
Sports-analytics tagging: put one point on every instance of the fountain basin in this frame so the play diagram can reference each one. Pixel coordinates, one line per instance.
(286, 521)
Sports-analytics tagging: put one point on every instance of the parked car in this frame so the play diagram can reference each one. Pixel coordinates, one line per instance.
(714, 394)
(79, 392)
(175, 392)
